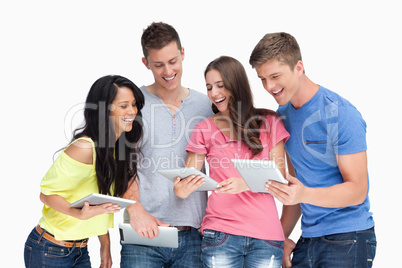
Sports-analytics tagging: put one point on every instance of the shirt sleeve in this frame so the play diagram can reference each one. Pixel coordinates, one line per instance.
(197, 143)
(277, 130)
(348, 133)
(64, 176)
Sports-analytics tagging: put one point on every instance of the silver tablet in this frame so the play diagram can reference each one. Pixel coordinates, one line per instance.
(168, 237)
(209, 185)
(98, 199)
(256, 173)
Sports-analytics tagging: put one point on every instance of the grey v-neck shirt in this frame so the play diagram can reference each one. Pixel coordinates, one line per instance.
(166, 136)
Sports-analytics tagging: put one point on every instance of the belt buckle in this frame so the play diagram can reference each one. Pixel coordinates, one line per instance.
(81, 244)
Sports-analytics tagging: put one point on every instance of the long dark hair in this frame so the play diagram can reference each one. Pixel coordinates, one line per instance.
(116, 161)
(242, 113)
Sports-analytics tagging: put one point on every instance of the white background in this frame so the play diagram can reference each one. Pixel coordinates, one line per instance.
(52, 51)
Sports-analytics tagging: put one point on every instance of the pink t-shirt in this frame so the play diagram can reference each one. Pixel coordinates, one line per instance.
(247, 213)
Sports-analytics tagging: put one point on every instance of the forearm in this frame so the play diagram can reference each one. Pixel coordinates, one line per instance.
(104, 241)
(133, 193)
(105, 253)
(340, 195)
(60, 204)
(289, 218)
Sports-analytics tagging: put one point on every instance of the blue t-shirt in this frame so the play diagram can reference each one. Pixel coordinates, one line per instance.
(326, 126)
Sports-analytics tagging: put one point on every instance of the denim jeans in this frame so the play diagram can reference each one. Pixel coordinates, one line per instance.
(39, 252)
(346, 250)
(188, 254)
(220, 249)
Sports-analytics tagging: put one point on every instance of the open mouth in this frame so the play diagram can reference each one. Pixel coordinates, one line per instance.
(128, 120)
(220, 100)
(169, 79)
(277, 92)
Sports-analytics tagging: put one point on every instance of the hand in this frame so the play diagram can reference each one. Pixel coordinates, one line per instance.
(287, 252)
(184, 187)
(144, 223)
(290, 194)
(232, 186)
(88, 211)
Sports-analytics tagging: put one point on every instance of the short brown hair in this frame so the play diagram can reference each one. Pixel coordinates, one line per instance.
(280, 46)
(157, 35)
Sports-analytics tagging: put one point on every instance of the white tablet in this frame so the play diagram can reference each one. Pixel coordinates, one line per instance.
(256, 173)
(168, 237)
(98, 199)
(209, 185)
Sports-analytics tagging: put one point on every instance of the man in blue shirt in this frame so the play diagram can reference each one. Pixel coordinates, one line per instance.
(327, 163)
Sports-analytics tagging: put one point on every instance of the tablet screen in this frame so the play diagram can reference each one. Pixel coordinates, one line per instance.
(256, 173)
(209, 185)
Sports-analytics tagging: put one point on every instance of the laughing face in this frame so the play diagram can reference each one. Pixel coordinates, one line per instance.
(166, 66)
(123, 111)
(281, 81)
(217, 92)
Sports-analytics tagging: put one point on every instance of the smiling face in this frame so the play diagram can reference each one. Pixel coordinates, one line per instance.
(166, 66)
(123, 111)
(281, 81)
(217, 92)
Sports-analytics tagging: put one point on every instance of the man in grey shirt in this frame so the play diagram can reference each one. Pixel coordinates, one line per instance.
(170, 113)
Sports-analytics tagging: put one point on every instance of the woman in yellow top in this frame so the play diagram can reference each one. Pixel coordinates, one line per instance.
(100, 159)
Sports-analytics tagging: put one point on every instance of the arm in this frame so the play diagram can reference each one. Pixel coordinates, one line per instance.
(141, 221)
(80, 151)
(61, 205)
(106, 257)
(289, 218)
(351, 192)
(184, 187)
(237, 185)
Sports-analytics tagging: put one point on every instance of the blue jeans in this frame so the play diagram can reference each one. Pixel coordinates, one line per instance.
(346, 250)
(188, 254)
(220, 249)
(39, 252)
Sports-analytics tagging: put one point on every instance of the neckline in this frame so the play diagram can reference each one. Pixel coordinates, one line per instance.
(227, 138)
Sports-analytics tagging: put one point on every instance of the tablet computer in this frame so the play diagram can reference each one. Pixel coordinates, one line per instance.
(168, 237)
(98, 199)
(209, 185)
(256, 173)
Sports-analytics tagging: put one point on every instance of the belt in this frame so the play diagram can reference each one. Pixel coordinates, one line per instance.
(49, 237)
(183, 228)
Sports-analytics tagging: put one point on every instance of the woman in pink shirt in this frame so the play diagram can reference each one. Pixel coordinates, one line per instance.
(241, 228)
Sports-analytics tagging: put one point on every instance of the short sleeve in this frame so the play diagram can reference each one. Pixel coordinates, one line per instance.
(348, 133)
(277, 130)
(64, 176)
(197, 143)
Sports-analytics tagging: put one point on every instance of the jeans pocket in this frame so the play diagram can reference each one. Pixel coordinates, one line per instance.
(276, 244)
(371, 250)
(27, 255)
(341, 239)
(213, 238)
(57, 252)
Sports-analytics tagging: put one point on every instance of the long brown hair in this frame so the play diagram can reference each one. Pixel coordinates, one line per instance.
(245, 117)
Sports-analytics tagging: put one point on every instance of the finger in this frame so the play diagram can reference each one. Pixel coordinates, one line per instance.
(161, 223)
(224, 183)
(177, 180)
(194, 179)
(224, 189)
(200, 181)
(290, 178)
(279, 186)
(86, 204)
(281, 196)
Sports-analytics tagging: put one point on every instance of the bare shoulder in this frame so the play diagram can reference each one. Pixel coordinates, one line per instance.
(81, 151)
